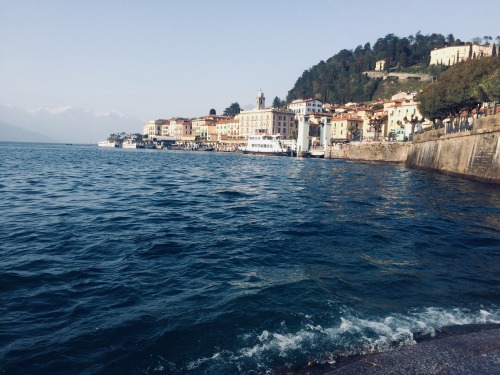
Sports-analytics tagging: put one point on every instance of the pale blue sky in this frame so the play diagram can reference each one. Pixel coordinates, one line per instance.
(157, 59)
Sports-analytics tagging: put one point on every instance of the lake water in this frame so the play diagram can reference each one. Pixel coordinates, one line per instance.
(172, 262)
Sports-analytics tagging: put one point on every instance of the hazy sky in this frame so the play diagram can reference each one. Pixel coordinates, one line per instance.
(157, 59)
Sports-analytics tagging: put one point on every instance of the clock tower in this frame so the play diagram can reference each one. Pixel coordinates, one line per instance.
(260, 100)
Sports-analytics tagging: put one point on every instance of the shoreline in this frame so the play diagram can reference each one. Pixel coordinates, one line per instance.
(471, 348)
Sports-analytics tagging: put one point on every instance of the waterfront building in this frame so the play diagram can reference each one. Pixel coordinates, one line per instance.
(204, 127)
(306, 106)
(320, 129)
(365, 113)
(454, 54)
(154, 127)
(315, 125)
(228, 129)
(343, 127)
(182, 130)
(273, 120)
(169, 129)
(177, 127)
(164, 128)
(400, 110)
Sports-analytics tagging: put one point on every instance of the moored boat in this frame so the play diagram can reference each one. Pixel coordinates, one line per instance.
(107, 144)
(265, 144)
(131, 143)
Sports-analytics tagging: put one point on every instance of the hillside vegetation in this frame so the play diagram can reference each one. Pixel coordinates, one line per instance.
(340, 80)
(462, 88)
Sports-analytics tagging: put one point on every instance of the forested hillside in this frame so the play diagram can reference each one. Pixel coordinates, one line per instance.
(339, 79)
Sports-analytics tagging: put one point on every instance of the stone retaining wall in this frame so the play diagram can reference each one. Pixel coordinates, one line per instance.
(474, 154)
(370, 151)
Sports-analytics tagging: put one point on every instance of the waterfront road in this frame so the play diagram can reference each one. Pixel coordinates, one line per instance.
(456, 351)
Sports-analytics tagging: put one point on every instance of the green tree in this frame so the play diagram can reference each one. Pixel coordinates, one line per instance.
(491, 86)
(340, 78)
(355, 131)
(431, 102)
(232, 110)
(458, 89)
(487, 39)
(278, 103)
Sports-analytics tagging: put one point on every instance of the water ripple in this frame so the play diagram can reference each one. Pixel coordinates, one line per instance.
(188, 262)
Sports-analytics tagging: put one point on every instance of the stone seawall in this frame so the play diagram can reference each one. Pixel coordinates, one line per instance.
(474, 154)
(371, 151)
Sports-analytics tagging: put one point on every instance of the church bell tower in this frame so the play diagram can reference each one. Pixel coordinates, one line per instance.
(260, 100)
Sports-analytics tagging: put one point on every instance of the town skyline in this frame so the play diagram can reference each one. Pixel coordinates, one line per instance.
(180, 60)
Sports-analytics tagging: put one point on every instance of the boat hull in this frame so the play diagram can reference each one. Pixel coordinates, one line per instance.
(265, 153)
(107, 144)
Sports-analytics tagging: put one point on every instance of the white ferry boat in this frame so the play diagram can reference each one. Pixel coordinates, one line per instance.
(264, 144)
(131, 143)
(107, 144)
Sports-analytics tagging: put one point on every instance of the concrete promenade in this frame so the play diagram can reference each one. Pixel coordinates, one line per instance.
(455, 353)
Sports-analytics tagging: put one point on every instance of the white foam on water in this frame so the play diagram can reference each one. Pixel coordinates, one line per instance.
(351, 335)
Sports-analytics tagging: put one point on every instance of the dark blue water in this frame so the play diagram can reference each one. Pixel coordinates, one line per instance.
(171, 262)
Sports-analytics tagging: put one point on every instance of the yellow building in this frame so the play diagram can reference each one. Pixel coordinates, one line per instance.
(365, 113)
(228, 129)
(342, 127)
(202, 126)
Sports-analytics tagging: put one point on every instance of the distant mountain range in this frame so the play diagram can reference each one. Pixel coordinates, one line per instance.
(63, 124)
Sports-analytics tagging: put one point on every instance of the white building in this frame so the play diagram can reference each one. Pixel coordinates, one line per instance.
(306, 106)
(380, 65)
(153, 127)
(401, 109)
(455, 54)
